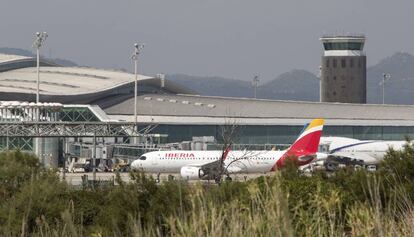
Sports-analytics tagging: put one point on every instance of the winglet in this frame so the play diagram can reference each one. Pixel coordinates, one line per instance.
(305, 147)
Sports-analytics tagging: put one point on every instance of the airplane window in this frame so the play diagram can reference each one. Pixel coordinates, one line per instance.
(143, 158)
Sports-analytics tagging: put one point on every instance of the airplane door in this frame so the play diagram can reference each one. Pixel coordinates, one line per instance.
(154, 162)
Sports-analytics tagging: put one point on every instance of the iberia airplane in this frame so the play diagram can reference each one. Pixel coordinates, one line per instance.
(207, 164)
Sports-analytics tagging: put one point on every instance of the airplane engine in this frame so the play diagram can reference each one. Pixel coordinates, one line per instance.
(306, 158)
(331, 166)
(319, 165)
(191, 172)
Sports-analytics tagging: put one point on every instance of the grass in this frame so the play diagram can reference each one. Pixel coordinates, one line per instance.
(350, 203)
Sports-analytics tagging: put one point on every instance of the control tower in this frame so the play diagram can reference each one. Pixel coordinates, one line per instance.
(343, 70)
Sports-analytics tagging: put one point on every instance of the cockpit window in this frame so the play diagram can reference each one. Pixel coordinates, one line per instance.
(143, 158)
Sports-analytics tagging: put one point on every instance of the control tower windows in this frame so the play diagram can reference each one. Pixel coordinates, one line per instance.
(343, 45)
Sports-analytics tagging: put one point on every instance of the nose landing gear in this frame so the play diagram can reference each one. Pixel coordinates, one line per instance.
(157, 180)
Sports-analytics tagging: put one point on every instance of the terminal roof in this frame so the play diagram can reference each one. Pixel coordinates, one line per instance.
(10, 57)
(191, 109)
(64, 80)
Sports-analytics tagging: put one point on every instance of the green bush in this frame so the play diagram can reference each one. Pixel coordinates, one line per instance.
(16, 168)
(352, 203)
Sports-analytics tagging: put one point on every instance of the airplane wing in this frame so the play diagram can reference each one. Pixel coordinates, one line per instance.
(212, 169)
(351, 158)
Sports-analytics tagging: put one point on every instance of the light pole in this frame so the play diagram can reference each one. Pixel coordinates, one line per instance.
(385, 77)
(40, 39)
(137, 50)
(255, 83)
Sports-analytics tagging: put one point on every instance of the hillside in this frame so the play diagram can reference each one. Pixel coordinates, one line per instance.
(214, 86)
(304, 86)
(294, 85)
(400, 88)
(298, 85)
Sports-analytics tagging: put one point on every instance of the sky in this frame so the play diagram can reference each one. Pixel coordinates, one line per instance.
(229, 38)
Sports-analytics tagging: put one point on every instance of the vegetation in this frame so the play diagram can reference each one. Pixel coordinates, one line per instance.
(34, 202)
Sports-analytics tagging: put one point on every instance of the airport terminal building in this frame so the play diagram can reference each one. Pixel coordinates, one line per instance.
(89, 94)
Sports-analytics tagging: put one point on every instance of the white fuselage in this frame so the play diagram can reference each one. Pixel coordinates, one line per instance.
(375, 150)
(371, 152)
(235, 162)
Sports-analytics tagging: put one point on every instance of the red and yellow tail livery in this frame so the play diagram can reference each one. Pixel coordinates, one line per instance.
(304, 149)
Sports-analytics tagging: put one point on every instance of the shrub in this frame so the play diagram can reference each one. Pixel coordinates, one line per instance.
(16, 168)
(348, 202)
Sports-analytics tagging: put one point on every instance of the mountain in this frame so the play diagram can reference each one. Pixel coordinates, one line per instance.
(302, 85)
(294, 85)
(298, 85)
(16, 51)
(400, 88)
(214, 86)
(27, 53)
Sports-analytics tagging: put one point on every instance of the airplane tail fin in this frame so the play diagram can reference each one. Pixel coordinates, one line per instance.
(304, 128)
(304, 149)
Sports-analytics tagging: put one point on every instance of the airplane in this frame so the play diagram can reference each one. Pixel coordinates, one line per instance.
(349, 151)
(209, 164)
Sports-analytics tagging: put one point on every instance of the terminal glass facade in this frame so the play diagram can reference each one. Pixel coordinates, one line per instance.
(279, 134)
(16, 143)
(77, 114)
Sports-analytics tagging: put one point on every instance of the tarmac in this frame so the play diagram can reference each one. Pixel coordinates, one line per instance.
(77, 179)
